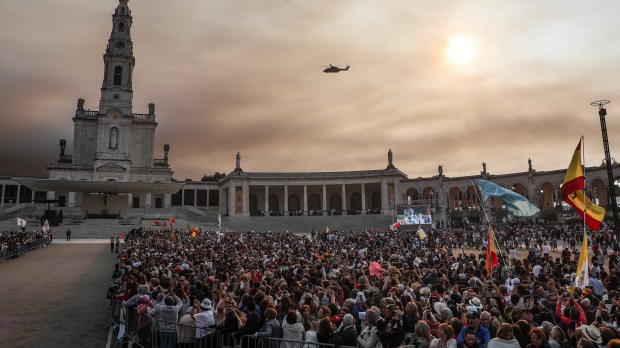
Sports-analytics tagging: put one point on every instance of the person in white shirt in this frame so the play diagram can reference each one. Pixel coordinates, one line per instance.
(204, 318)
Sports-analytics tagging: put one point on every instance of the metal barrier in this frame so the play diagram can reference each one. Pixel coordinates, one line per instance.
(141, 330)
(18, 250)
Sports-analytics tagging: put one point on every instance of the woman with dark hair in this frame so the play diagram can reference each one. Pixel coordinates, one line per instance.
(326, 331)
(539, 339)
(505, 338)
(524, 328)
(292, 330)
(444, 337)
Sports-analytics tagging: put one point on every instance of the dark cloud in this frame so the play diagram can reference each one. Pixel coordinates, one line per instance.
(229, 77)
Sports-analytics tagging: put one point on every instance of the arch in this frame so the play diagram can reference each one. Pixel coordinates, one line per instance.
(455, 197)
(521, 189)
(293, 202)
(123, 10)
(314, 202)
(413, 193)
(113, 138)
(274, 202)
(121, 27)
(335, 202)
(471, 197)
(356, 201)
(120, 44)
(118, 75)
(547, 196)
(252, 203)
(599, 195)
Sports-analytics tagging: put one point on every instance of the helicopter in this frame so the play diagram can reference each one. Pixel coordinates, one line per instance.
(334, 69)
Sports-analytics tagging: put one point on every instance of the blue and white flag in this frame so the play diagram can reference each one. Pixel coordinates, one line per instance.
(516, 204)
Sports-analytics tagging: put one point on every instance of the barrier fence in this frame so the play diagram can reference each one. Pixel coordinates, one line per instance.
(141, 330)
(17, 250)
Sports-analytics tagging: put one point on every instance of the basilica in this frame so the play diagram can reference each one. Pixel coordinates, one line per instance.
(112, 172)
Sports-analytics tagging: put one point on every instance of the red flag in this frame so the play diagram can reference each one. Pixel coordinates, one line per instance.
(491, 260)
(122, 234)
(171, 220)
(156, 223)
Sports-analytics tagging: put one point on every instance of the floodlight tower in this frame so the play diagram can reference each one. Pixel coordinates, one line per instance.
(610, 175)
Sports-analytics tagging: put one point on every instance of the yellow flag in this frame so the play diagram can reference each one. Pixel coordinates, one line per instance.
(582, 279)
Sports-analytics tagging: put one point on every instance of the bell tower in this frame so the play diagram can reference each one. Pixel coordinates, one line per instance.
(116, 89)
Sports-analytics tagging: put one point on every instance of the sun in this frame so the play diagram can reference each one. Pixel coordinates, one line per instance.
(461, 50)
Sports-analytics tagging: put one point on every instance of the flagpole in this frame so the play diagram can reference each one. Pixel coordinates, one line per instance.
(585, 205)
(499, 248)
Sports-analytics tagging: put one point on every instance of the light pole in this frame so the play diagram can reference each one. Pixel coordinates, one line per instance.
(610, 175)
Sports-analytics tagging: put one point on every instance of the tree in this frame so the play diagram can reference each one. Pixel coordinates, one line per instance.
(217, 176)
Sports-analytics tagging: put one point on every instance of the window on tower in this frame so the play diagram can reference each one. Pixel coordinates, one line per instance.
(118, 75)
(121, 27)
(114, 138)
(120, 44)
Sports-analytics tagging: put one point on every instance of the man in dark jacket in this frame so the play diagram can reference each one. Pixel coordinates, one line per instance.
(252, 325)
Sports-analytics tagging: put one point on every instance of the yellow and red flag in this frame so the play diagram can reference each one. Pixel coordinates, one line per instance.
(573, 194)
(582, 278)
(491, 260)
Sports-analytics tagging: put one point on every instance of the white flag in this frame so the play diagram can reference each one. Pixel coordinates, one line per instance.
(46, 226)
(21, 222)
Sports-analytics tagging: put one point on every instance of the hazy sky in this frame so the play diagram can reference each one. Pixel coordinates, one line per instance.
(246, 76)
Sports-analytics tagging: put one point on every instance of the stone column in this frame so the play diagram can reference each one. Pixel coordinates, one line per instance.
(71, 199)
(305, 212)
(32, 198)
(195, 197)
(384, 196)
(2, 201)
(231, 198)
(266, 200)
(344, 200)
(324, 200)
(363, 198)
(167, 200)
(397, 197)
(246, 198)
(130, 200)
(50, 195)
(182, 197)
(148, 200)
(285, 199)
(208, 199)
(19, 187)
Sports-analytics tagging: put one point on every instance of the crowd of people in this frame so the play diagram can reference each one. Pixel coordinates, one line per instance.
(13, 243)
(373, 288)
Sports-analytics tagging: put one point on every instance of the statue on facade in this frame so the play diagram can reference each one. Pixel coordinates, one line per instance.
(166, 149)
(63, 145)
(484, 169)
(529, 164)
(238, 166)
(390, 158)
(80, 104)
(151, 108)
(440, 170)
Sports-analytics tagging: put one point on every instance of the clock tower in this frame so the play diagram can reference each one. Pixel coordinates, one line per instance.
(116, 89)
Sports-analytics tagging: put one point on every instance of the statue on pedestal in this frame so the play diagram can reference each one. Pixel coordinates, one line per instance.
(63, 145)
(440, 170)
(166, 149)
(151, 108)
(80, 104)
(390, 158)
(529, 164)
(238, 166)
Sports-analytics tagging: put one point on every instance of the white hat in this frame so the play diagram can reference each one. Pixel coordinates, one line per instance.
(476, 303)
(592, 333)
(438, 306)
(206, 304)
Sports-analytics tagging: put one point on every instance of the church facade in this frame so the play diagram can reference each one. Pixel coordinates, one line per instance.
(113, 171)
